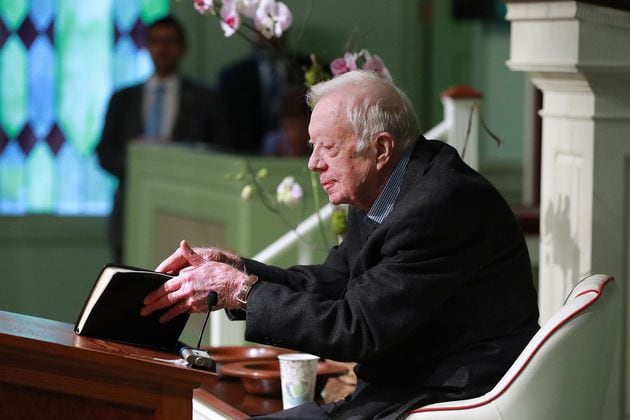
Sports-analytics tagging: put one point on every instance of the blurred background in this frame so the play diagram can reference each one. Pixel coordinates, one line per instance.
(60, 61)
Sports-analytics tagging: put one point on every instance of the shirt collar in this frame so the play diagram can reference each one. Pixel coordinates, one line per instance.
(168, 82)
(384, 203)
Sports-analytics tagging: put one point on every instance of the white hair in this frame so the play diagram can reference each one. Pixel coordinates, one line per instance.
(373, 105)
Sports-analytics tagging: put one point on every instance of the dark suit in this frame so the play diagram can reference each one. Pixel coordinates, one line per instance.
(241, 92)
(434, 304)
(200, 118)
(253, 106)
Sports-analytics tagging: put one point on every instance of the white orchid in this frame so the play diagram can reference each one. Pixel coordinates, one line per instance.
(246, 192)
(272, 18)
(248, 8)
(289, 192)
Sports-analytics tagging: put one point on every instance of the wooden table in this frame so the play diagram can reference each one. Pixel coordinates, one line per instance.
(47, 372)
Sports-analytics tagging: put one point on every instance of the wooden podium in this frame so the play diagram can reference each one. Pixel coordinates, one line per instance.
(46, 371)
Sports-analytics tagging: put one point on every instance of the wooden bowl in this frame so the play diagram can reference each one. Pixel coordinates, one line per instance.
(262, 377)
(230, 354)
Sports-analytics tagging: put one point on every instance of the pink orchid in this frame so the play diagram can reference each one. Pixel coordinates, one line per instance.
(272, 18)
(363, 60)
(351, 60)
(204, 6)
(343, 65)
(338, 67)
(230, 19)
(375, 64)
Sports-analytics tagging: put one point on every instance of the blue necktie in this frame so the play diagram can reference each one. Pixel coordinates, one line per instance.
(154, 119)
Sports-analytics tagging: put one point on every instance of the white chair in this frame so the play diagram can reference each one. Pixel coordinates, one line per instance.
(564, 371)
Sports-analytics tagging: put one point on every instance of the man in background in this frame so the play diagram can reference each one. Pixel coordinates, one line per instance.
(166, 108)
(254, 90)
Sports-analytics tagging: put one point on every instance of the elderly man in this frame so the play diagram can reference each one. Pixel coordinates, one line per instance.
(431, 290)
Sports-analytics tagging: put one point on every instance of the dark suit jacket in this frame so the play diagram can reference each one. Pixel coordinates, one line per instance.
(241, 92)
(200, 118)
(434, 304)
(252, 111)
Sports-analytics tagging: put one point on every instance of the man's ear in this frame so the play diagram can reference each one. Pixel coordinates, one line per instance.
(384, 149)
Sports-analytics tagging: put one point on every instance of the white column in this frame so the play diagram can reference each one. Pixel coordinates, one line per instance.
(578, 54)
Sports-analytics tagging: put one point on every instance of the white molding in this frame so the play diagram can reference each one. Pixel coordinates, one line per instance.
(563, 68)
(202, 411)
(585, 116)
(568, 10)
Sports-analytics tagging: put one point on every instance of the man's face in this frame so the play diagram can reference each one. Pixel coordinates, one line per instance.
(166, 49)
(347, 177)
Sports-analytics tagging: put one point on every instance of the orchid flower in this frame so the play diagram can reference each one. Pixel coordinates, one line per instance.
(248, 8)
(363, 60)
(343, 65)
(375, 64)
(289, 192)
(204, 6)
(230, 19)
(247, 192)
(272, 18)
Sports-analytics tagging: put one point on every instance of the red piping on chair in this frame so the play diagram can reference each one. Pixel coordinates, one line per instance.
(560, 324)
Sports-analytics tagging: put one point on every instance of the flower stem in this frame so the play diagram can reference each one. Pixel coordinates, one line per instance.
(268, 203)
(263, 196)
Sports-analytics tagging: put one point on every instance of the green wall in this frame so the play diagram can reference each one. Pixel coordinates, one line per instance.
(50, 263)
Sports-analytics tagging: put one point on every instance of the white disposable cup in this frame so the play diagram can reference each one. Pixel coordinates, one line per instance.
(298, 374)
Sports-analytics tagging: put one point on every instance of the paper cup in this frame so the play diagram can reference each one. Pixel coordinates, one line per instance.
(298, 373)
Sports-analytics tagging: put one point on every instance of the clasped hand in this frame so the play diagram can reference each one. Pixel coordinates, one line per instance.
(198, 272)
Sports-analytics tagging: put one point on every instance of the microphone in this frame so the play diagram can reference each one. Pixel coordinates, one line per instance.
(195, 356)
(212, 300)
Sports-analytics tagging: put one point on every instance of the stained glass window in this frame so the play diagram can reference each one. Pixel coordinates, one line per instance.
(60, 60)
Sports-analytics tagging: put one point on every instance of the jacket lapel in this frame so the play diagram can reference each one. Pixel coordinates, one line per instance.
(418, 165)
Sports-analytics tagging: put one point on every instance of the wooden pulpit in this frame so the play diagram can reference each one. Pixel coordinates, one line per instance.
(46, 371)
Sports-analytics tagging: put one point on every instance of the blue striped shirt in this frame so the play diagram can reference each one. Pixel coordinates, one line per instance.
(384, 203)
